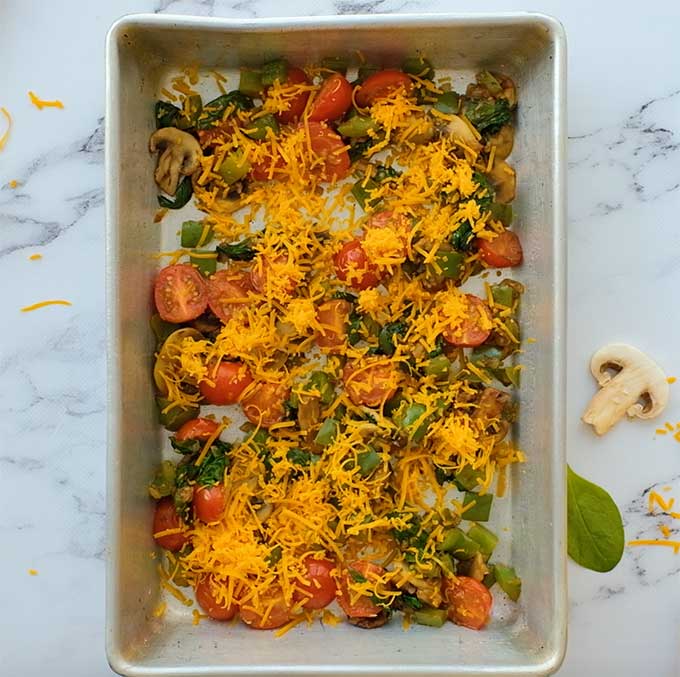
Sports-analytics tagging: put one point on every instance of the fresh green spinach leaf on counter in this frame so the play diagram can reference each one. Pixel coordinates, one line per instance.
(595, 536)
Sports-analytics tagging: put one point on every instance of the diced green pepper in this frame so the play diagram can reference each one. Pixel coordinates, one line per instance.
(388, 334)
(274, 555)
(509, 581)
(321, 382)
(368, 461)
(435, 618)
(234, 167)
(161, 328)
(487, 356)
(335, 63)
(487, 539)
(176, 417)
(166, 114)
(357, 126)
(419, 66)
(406, 418)
(273, 71)
(327, 432)
(250, 82)
(449, 263)
(503, 295)
(490, 579)
(192, 232)
(257, 129)
(438, 366)
(481, 509)
(448, 103)
(458, 544)
(501, 212)
(207, 265)
(191, 110)
(366, 70)
(487, 80)
(446, 562)
(467, 478)
(163, 483)
(361, 191)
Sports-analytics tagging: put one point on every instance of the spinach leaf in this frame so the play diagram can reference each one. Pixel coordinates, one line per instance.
(595, 535)
(213, 111)
(386, 338)
(238, 251)
(182, 195)
(486, 115)
(166, 114)
(411, 601)
(216, 461)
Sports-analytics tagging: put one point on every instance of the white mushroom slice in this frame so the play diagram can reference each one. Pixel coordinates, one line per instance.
(639, 389)
(180, 155)
(460, 130)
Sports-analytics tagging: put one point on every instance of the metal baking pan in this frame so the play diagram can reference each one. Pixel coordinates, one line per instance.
(529, 639)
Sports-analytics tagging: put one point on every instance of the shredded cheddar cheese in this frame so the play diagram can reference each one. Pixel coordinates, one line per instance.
(35, 257)
(5, 135)
(44, 304)
(41, 103)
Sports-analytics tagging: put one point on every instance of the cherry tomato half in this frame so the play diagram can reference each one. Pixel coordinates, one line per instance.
(397, 223)
(276, 270)
(196, 429)
(321, 589)
(264, 404)
(332, 316)
(333, 100)
(381, 84)
(209, 503)
(278, 616)
(474, 330)
(364, 607)
(180, 293)
(296, 76)
(227, 291)
(329, 146)
(469, 602)
(352, 266)
(165, 517)
(504, 251)
(208, 602)
(231, 379)
(370, 384)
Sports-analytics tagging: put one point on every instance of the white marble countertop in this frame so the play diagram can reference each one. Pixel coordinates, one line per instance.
(624, 263)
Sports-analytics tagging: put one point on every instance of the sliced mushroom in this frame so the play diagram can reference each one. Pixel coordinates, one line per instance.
(180, 155)
(459, 129)
(638, 389)
(371, 622)
(504, 181)
(503, 140)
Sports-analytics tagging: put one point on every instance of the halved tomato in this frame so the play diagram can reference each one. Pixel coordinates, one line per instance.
(180, 293)
(370, 383)
(264, 404)
(504, 251)
(469, 602)
(277, 270)
(333, 100)
(197, 429)
(381, 84)
(230, 379)
(207, 600)
(364, 606)
(227, 291)
(332, 316)
(397, 223)
(475, 329)
(352, 266)
(209, 503)
(276, 611)
(165, 518)
(330, 148)
(321, 589)
(296, 76)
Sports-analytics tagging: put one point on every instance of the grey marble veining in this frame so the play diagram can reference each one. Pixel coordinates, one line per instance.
(624, 259)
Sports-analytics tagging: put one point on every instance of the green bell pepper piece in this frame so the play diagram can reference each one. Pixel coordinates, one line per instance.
(327, 432)
(163, 483)
(258, 128)
(176, 417)
(234, 167)
(368, 461)
(458, 544)
(273, 71)
(467, 478)
(435, 618)
(207, 266)
(481, 509)
(487, 539)
(448, 103)
(250, 82)
(509, 581)
(357, 126)
(191, 234)
(418, 65)
(449, 263)
(438, 366)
